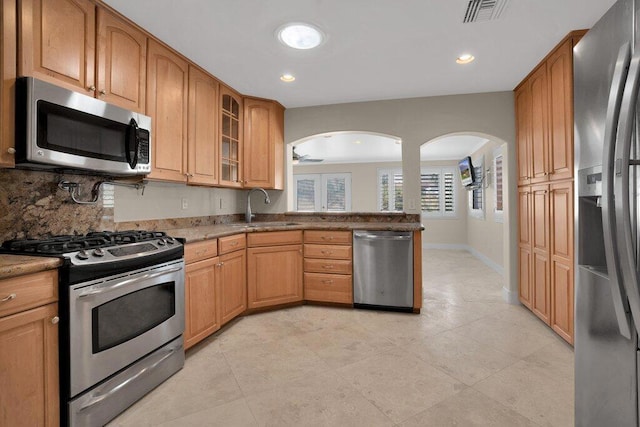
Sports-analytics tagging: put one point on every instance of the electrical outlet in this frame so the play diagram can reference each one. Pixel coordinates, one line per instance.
(412, 204)
(222, 204)
(185, 203)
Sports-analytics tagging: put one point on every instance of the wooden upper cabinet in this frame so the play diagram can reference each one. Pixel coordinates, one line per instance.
(121, 62)
(231, 138)
(57, 42)
(202, 164)
(560, 75)
(167, 96)
(263, 144)
(539, 123)
(8, 58)
(60, 42)
(523, 130)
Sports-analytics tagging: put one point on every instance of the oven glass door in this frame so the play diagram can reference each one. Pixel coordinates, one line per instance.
(115, 321)
(122, 319)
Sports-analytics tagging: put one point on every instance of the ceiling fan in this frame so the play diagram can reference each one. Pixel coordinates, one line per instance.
(303, 158)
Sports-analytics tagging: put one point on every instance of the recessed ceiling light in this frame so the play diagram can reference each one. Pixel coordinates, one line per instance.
(465, 59)
(288, 78)
(357, 141)
(300, 35)
(398, 141)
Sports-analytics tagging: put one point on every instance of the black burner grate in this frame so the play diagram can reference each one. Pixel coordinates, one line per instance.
(58, 245)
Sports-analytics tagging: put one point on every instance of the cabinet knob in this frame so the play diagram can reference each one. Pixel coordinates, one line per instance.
(55, 320)
(11, 150)
(103, 92)
(91, 88)
(8, 298)
(188, 175)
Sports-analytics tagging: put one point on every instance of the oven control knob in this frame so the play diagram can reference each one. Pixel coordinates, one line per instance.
(82, 255)
(170, 240)
(98, 252)
(161, 242)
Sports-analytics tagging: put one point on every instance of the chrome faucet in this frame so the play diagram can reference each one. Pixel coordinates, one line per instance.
(248, 216)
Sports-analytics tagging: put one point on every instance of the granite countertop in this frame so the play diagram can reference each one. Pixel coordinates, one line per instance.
(206, 232)
(17, 265)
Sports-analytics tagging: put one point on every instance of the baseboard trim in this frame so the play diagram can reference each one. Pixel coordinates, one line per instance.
(450, 246)
(460, 247)
(510, 296)
(482, 257)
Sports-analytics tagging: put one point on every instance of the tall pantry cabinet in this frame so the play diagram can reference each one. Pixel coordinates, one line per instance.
(544, 133)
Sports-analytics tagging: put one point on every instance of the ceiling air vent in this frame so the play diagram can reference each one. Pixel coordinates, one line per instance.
(484, 10)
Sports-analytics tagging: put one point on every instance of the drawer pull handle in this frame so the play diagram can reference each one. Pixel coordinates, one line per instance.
(234, 243)
(8, 298)
(328, 282)
(328, 267)
(326, 252)
(327, 237)
(55, 320)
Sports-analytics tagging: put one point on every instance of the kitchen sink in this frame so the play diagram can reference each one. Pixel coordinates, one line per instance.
(264, 224)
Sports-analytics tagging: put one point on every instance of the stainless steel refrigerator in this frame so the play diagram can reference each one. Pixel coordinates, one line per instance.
(607, 294)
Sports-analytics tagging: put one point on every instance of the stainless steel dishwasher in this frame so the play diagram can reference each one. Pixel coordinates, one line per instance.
(383, 270)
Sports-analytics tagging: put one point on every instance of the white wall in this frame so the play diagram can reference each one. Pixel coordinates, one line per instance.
(164, 200)
(485, 235)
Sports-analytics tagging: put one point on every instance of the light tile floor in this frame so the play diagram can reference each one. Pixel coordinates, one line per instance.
(469, 359)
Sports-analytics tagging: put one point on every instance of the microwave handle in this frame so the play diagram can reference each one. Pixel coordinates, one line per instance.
(133, 144)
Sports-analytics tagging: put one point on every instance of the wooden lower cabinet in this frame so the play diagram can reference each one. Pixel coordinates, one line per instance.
(215, 285)
(274, 273)
(202, 301)
(29, 368)
(233, 284)
(562, 256)
(546, 276)
(327, 267)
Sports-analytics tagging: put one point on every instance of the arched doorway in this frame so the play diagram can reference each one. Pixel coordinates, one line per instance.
(476, 217)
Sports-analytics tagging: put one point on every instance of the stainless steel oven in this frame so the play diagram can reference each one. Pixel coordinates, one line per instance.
(116, 321)
(121, 318)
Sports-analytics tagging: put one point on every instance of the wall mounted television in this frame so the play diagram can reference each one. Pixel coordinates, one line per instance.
(467, 173)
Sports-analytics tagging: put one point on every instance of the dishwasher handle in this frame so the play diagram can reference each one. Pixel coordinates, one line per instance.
(380, 237)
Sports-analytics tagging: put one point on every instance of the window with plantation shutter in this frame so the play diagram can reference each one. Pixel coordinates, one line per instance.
(390, 190)
(322, 192)
(498, 209)
(437, 192)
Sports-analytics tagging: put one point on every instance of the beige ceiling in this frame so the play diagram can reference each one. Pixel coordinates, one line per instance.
(376, 49)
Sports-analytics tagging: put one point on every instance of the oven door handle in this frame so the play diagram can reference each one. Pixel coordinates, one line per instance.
(97, 399)
(118, 285)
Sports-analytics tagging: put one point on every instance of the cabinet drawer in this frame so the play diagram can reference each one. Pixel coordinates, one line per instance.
(232, 243)
(271, 238)
(31, 290)
(328, 287)
(327, 236)
(200, 250)
(327, 266)
(327, 251)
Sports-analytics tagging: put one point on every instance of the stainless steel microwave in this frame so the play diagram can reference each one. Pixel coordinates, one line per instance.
(57, 128)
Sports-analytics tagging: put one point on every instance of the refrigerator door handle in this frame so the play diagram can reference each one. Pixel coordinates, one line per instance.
(618, 292)
(622, 202)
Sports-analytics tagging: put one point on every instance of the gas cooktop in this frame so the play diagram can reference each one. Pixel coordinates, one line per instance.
(60, 245)
(98, 247)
